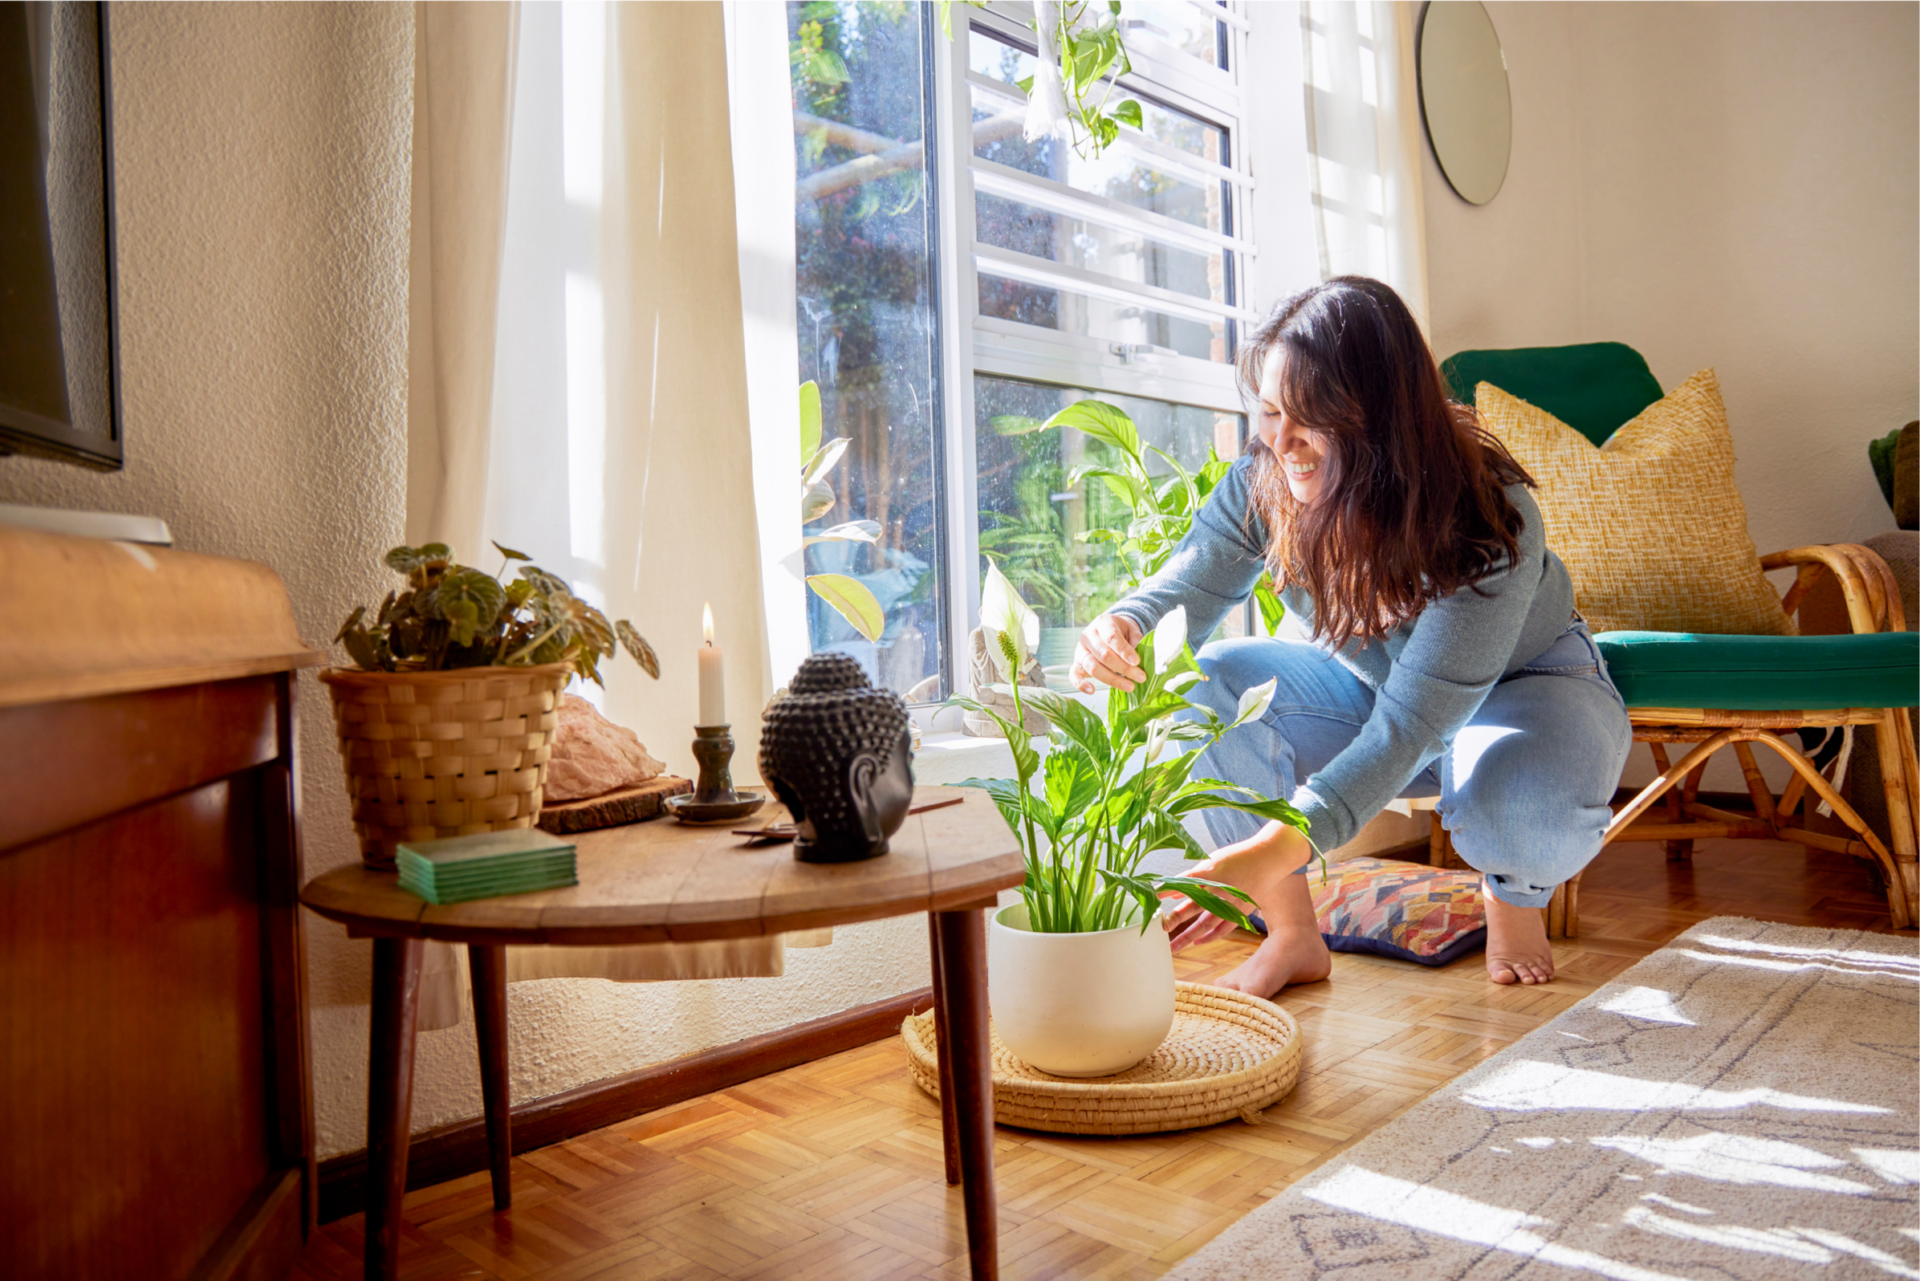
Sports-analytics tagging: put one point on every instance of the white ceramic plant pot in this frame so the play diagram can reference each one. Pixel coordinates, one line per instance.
(1078, 1004)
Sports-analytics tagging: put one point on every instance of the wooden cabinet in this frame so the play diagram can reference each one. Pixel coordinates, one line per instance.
(154, 1087)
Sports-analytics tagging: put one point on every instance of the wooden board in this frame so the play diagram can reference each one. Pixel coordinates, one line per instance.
(615, 809)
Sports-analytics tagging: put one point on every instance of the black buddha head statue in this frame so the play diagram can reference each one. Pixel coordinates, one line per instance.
(837, 753)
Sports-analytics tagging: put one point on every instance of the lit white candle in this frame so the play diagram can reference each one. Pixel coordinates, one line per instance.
(713, 677)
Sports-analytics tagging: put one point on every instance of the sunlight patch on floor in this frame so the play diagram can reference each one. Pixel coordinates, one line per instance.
(1895, 1165)
(1648, 1003)
(1737, 1159)
(1448, 1214)
(1533, 1086)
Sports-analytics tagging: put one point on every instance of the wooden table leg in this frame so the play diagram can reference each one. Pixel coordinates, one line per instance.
(396, 1001)
(943, 1052)
(489, 967)
(962, 994)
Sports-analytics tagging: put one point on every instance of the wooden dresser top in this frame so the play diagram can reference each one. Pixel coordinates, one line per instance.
(85, 617)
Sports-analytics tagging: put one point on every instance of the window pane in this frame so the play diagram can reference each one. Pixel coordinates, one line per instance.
(1030, 520)
(1130, 255)
(1178, 24)
(1134, 323)
(1122, 173)
(868, 324)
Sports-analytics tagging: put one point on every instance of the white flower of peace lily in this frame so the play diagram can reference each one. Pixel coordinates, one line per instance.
(1169, 638)
(1254, 702)
(1002, 612)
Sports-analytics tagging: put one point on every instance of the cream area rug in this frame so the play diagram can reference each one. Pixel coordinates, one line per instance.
(1740, 1105)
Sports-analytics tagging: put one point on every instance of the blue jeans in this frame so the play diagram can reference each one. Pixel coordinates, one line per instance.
(1524, 786)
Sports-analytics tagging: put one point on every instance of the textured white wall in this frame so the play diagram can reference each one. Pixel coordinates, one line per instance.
(1733, 185)
(263, 176)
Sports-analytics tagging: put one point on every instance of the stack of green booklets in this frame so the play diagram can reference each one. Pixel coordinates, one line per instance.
(487, 865)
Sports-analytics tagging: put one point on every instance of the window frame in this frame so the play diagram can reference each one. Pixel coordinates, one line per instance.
(972, 344)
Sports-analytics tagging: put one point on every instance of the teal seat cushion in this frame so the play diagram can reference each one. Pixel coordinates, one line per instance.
(1594, 388)
(1764, 673)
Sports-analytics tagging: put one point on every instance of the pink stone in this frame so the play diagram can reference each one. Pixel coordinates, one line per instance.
(592, 756)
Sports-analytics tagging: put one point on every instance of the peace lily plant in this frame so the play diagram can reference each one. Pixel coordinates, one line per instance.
(1079, 981)
(1110, 791)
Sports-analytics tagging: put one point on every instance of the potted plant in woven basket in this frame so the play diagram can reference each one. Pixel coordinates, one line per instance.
(1079, 973)
(446, 721)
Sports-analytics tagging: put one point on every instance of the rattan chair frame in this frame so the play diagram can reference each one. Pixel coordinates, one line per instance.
(1873, 605)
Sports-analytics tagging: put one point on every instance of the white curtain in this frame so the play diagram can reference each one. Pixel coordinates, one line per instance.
(1363, 130)
(612, 443)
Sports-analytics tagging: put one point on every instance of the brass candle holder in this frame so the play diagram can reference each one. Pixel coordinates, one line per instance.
(714, 798)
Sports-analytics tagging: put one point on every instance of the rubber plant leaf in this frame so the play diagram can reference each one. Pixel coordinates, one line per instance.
(853, 531)
(809, 418)
(853, 601)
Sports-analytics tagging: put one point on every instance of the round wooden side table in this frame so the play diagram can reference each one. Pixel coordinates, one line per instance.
(663, 882)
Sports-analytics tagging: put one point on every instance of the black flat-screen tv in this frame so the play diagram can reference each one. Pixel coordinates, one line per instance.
(59, 366)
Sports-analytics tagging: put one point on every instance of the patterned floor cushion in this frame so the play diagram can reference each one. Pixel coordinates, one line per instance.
(1427, 915)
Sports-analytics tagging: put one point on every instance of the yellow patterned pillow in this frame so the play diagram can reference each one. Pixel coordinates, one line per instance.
(1650, 525)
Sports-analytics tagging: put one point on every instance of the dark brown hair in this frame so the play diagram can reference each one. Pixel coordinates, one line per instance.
(1412, 505)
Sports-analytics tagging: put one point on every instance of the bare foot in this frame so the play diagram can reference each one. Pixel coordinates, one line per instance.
(1286, 956)
(1517, 947)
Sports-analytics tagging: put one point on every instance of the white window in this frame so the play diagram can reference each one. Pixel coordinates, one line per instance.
(957, 285)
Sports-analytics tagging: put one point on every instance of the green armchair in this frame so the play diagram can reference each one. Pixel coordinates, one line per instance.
(1694, 695)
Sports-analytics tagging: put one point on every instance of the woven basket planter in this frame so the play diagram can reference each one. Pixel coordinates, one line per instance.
(437, 754)
(1229, 1055)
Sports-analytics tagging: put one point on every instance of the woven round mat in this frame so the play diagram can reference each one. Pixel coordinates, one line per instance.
(1228, 1055)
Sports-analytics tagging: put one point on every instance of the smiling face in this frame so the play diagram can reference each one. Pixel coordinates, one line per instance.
(1301, 451)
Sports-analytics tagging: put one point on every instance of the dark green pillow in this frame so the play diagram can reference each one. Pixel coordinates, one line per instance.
(1764, 673)
(1594, 388)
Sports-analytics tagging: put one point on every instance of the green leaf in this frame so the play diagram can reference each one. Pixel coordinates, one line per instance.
(816, 501)
(853, 600)
(822, 460)
(1211, 895)
(1026, 85)
(511, 554)
(636, 645)
(810, 412)
(1272, 609)
(1079, 725)
(544, 583)
(470, 601)
(1072, 783)
(854, 531)
(1128, 113)
(1162, 831)
(1015, 424)
(1006, 794)
(1106, 423)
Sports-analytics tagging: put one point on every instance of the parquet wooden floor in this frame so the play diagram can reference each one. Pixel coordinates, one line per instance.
(833, 1170)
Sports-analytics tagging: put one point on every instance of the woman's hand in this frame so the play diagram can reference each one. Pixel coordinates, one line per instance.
(1259, 865)
(1107, 654)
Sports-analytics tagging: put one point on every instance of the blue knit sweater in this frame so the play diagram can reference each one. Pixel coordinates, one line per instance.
(1429, 674)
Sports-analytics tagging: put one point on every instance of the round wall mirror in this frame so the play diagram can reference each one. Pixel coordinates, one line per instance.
(1464, 98)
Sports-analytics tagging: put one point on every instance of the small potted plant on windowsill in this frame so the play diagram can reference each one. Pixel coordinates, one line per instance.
(447, 719)
(1079, 974)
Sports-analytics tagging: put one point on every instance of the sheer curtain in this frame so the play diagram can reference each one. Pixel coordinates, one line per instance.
(605, 326)
(1363, 130)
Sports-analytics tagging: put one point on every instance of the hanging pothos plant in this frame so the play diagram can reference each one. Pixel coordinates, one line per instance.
(1082, 57)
